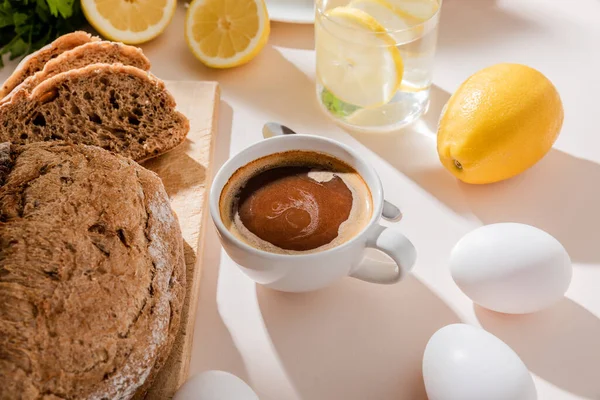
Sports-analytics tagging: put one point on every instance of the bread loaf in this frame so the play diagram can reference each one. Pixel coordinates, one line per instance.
(120, 108)
(92, 274)
(81, 56)
(36, 61)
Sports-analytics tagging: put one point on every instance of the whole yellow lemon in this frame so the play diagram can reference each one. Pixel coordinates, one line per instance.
(500, 122)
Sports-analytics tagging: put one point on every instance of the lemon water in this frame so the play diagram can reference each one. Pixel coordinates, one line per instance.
(374, 60)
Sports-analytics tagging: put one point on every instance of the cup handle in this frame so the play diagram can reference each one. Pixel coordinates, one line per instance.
(394, 244)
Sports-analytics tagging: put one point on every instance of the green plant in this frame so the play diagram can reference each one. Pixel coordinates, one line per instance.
(27, 25)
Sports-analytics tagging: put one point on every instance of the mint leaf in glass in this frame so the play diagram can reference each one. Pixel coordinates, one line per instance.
(336, 106)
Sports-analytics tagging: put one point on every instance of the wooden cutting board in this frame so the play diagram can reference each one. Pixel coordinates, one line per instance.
(185, 172)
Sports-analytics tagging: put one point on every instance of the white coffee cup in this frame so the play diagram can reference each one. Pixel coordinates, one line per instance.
(311, 271)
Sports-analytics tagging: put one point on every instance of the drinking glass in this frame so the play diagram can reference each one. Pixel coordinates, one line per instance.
(374, 60)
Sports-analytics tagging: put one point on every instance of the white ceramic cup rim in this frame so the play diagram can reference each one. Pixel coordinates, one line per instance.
(372, 181)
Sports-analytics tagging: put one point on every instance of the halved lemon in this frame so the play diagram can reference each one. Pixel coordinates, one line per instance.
(357, 61)
(129, 21)
(226, 33)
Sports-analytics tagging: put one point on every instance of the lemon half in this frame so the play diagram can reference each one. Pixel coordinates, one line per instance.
(225, 34)
(129, 21)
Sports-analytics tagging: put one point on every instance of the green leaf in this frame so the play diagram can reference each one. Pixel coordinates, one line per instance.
(18, 49)
(20, 18)
(64, 7)
(27, 25)
(5, 20)
(6, 14)
(5, 7)
(336, 106)
(52, 7)
(42, 11)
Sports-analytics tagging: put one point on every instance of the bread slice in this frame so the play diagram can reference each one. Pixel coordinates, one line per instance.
(35, 61)
(120, 108)
(92, 274)
(81, 56)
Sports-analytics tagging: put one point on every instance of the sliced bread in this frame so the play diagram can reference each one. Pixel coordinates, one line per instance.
(86, 54)
(120, 108)
(35, 61)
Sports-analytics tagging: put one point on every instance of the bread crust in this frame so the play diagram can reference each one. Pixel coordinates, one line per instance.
(94, 52)
(36, 60)
(92, 274)
(145, 124)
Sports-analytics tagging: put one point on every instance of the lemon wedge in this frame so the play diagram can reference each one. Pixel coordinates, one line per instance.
(357, 61)
(225, 34)
(129, 21)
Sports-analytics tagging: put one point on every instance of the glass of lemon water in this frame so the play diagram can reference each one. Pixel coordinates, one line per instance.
(375, 60)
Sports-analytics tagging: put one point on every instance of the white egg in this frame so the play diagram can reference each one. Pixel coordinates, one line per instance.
(511, 268)
(215, 385)
(463, 362)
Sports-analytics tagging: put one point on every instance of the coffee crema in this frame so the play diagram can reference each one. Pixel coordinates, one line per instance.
(295, 202)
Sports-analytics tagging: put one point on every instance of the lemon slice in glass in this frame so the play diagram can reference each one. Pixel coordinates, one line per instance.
(225, 34)
(129, 21)
(357, 60)
(397, 23)
(420, 10)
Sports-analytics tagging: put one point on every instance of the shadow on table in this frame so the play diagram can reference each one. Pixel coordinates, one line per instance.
(275, 88)
(481, 22)
(438, 98)
(355, 340)
(412, 151)
(560, 344)
(213, 345)
(185, 174)
(560, 194)
(294, 36)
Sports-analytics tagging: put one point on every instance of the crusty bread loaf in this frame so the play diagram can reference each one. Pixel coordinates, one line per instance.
(119, 108)
(89, 53)
(36, 61)
(92, 274)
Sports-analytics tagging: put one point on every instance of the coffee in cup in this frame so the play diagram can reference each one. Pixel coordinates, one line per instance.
(295, 202)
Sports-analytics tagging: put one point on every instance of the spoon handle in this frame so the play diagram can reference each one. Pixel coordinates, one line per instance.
(274, 129)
